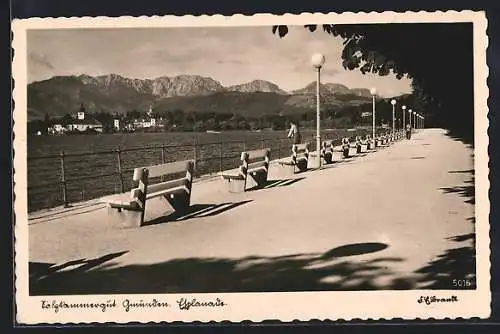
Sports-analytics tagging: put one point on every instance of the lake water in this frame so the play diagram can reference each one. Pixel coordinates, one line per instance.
(95, 174)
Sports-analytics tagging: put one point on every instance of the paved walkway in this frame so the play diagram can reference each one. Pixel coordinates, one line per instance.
(398, 218)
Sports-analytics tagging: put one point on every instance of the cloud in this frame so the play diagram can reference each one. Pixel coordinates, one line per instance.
(330, 71)
(40, 59)
(230, 61)
(217, 52)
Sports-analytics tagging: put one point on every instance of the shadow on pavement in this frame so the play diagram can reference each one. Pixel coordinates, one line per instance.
(466, 190)
(39, 271)
(278, 183)
(330, 271)
(471, 171)
(455, 264)
(466, 136)
(298, 272)
(197, 211)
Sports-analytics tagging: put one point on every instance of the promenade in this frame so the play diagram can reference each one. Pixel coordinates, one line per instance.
(401, 217)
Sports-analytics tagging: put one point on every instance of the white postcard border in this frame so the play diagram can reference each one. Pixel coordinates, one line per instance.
(304, 306)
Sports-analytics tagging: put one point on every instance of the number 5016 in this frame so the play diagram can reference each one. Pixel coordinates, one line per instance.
(461, 283)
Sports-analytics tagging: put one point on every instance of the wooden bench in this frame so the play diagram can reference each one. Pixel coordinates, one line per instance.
(358, 144)
(299, 158)
(345, 147)
(327, 149)
(177, 191)
(368, 142)
(385, 139)
(382, 139)
(254, 169)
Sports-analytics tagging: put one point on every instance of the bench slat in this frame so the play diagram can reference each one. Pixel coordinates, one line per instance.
(258, 154)
(164, 186)
(164, 169)
(256, 165)
(302, 147)
(176, 190)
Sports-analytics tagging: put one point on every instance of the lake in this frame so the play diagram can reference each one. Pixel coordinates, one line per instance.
(91, 161)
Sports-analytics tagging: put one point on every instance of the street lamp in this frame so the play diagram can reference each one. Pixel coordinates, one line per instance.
(317, 60)
(415, 119)
(409, 119)
(373, 91)
(404, 112)
(393, 102)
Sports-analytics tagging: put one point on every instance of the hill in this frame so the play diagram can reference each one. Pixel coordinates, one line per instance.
(257, 86)
(115, 94)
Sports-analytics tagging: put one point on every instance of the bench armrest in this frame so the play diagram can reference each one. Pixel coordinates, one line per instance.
(127, 205)
(233, 174)
(289, 162)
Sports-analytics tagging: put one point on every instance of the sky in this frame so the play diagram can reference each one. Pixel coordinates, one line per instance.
(230, 55)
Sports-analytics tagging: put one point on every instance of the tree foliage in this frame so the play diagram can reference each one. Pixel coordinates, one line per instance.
(438, 57)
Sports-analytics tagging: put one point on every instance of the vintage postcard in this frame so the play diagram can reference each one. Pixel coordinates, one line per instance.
(211, 168)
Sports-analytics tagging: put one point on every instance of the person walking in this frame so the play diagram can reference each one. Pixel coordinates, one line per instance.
(408, 131)
(294, 133)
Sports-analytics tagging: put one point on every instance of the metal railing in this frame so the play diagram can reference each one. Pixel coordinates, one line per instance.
(227, 154)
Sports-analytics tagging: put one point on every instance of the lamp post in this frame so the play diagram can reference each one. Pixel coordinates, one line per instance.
(409, 119)
(415, 119)
(373, 91)
(317, 60)
(404, 112)
(393, 102)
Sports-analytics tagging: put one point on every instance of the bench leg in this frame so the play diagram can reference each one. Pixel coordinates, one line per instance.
(328, 157)
(257, 179)
(180, 202)
(236, 185)
(129, 218)
(302, 165)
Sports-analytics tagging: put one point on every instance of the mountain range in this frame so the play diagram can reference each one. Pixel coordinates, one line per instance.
(113, 93)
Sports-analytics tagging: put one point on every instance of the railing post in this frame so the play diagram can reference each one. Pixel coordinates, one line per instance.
(220, 154)
(195, 148)
(120, 174)
(63, 181)
(162, 178)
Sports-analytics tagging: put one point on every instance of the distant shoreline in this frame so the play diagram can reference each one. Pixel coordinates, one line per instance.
(197, 132)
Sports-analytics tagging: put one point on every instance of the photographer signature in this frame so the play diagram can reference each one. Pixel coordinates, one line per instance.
(433, 299)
